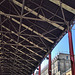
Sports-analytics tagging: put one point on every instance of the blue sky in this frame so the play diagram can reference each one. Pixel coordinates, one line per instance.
(61, 47)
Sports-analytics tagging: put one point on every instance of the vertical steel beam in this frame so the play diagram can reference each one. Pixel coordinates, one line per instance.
(71, 52)
(40, 70)
(49, 64)
(33, 73)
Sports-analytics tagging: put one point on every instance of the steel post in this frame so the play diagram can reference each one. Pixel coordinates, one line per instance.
(39, 70)
(71, 52)
(49, 64)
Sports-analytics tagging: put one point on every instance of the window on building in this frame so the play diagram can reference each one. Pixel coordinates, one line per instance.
(66, 57)
(37, 72)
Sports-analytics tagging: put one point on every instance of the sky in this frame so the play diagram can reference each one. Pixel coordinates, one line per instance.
(61, 47)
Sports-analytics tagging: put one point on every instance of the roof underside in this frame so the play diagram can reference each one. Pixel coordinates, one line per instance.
(29, 30)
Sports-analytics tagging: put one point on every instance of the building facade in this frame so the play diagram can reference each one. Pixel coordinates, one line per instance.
(68, 72)
(45, 71)
(60, 64)
(36, 73)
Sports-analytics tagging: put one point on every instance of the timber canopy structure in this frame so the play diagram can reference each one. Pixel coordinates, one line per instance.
(29, 30)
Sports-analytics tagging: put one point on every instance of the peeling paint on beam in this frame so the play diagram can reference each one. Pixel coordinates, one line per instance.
(33, 31)
(21, 44)
(19, 62)
(65, 6)
(21, 58)
(40, 16)
(30, 30)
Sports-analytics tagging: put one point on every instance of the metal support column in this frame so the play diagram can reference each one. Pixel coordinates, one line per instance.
(40, 70)
(33, 73)
(49, 64)
(71, 51)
